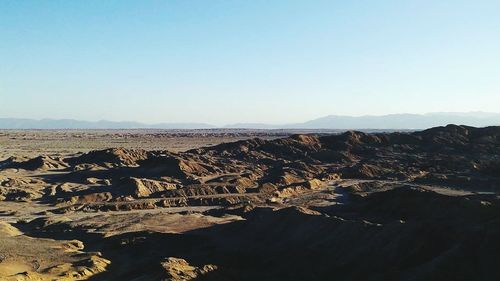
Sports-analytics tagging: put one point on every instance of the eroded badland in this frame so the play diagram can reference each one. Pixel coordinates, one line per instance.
(250, 205)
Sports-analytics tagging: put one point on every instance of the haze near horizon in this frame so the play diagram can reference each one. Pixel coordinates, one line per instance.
(222, 62)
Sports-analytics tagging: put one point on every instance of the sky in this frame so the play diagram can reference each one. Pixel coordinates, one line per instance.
(222, 62)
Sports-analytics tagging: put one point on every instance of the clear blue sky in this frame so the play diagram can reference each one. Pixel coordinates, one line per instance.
(246, 61)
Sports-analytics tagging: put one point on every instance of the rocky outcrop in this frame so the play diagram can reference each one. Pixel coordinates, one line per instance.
(145, 187)
(38, 163)
(110, 157)
(177, 269)
(26, 258)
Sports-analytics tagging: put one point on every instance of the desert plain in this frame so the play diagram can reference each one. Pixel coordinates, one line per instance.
(222, 204)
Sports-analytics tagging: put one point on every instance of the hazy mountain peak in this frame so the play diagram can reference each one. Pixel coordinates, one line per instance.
(389, 121)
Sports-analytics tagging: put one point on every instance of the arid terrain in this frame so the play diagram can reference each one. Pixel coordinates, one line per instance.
(250, 205)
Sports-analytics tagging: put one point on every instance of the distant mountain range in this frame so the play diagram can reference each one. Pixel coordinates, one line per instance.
(392, 121)
(404, 121)
(16, 123)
